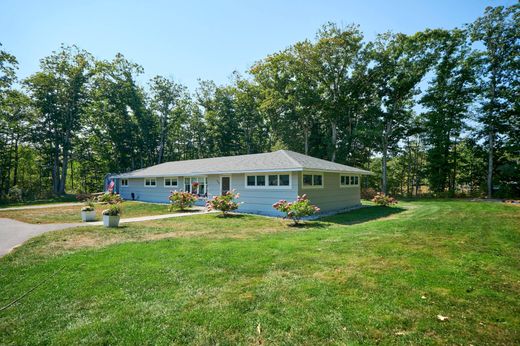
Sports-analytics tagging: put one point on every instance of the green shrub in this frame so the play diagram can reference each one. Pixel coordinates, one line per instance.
(110, 198)
(14, 194)
(180, 200)
(296, 210)
(225, 203)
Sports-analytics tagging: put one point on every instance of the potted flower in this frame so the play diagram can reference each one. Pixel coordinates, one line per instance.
(112, 215)
(88, 212)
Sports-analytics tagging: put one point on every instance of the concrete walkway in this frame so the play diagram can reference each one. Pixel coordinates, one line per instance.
(14, 233)
(43, 206)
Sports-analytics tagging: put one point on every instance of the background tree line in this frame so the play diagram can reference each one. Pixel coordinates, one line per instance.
(437, 109)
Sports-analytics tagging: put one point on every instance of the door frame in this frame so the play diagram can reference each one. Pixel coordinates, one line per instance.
(225, 176)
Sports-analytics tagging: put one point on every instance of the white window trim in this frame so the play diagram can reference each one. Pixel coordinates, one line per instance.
(124, 185)
(191, 182)
(152, 186)
(176, 178)
(349, 185)
(267, 186)
(306, 187)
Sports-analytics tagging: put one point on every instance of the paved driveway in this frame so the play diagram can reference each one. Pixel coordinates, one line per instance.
(13, 233)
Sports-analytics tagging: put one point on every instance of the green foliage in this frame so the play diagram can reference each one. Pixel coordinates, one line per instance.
(383, 200)
(110, 198)
(296, 210)
(181, 200)
(225, 203)
(113, 210)
(14, 194)
(89, 205)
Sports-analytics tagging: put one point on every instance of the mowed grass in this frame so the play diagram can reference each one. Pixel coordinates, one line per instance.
(72, 214)
(375, 275)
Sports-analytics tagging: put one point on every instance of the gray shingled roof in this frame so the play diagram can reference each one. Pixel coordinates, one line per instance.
(281, 160)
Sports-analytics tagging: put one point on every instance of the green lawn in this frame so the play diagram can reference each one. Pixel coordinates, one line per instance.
(72, 213)
(375, 275)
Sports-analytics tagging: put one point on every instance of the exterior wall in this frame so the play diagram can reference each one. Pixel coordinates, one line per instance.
(331, 198)
(157, 194)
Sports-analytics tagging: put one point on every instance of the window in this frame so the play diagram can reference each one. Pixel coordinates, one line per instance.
(196, 185)
(312, 180)
(124, 182)
(349, 180)
(284, 180)
(150, 182)
(268, 181)
(168, 182)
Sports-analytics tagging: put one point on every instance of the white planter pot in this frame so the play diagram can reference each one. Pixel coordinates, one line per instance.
(87, 216)
(111, 221)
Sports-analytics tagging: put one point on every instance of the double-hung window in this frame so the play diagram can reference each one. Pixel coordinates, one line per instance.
(124, 182)
(150, 182)
(268, 181)
(170, 182)
(314, 180)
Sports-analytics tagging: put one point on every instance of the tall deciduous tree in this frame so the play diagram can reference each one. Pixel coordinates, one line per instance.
(499, 31)
(61, 93)
(448, 100)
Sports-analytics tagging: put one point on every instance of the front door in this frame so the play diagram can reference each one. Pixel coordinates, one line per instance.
(225, 184)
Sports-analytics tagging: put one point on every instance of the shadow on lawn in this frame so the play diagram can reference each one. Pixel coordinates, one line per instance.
(365, 214)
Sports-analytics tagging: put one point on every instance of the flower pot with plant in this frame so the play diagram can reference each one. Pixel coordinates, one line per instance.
(112, 215)
(88, 212)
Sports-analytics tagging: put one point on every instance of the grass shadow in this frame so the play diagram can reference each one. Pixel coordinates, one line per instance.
(308, 225)
(365, 214)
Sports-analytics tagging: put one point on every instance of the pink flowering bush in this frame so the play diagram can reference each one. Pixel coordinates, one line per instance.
(302, 207)
(181, 200)
(383, 200)
(225, 203)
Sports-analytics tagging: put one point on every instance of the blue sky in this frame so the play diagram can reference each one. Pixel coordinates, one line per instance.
(188, 40)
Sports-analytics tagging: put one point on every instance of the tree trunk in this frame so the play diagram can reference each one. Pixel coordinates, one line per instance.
(162, 140)
(65, 164)
(55, 170)
(16, 157)
(306, 139)
(491, 140)
(334, 139)
(383, 164)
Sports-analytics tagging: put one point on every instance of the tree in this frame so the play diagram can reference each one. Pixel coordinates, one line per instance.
(165, 98)
(61, 94)
(448, 100)
(499, 31)
(399, 62)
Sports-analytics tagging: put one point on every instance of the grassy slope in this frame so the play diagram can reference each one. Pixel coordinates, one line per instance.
(353, 278)
(72, 213)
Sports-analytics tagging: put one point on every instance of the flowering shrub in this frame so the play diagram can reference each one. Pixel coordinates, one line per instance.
(110, 198)
(181, 200)
(224, 203)
(296, 210)
(369, 193)
(383, 200)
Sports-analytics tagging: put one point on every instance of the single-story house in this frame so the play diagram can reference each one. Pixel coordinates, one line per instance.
(261, 180)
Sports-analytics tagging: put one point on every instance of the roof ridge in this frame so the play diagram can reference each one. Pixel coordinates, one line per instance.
(285, 152)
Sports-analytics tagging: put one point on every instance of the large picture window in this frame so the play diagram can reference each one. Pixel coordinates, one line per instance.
(268, 181)
(196, 185)
(312, 180)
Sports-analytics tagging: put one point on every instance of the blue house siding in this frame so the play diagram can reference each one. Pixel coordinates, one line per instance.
(331, 197)
(258, 200)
